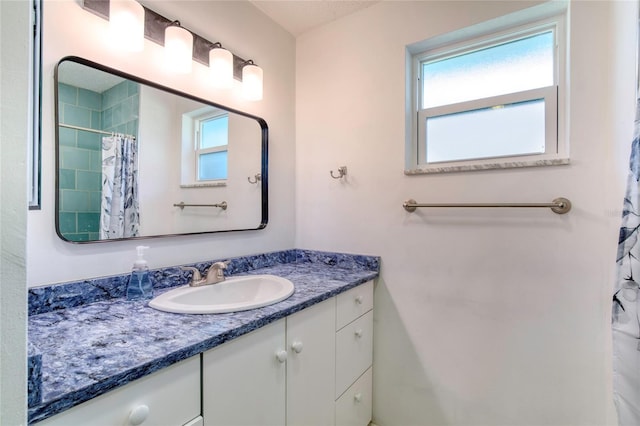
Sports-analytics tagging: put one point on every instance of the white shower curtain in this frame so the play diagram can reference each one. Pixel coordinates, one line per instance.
(119, 217)
(625, 321)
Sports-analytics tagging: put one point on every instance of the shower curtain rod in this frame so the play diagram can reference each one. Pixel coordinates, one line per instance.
(102, 132)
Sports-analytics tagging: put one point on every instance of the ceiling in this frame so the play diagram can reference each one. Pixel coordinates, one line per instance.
(75, 74)
(299, 16)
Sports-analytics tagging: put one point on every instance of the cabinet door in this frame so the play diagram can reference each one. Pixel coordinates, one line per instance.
(243, 381)
(169, 397)
(310, 365)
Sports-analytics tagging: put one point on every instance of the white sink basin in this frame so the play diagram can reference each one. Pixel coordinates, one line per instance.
(231, 295)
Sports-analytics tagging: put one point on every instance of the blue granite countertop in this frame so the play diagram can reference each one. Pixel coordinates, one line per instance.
(83, 346)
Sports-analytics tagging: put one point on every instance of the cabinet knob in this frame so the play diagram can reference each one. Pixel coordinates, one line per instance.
(281, 356)
(357, 397)
(358, 333)
(138, 415)
(297, 347)
(359, 300)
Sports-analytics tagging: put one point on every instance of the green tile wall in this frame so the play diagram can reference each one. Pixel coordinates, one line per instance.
(120, 108)
(80, 174)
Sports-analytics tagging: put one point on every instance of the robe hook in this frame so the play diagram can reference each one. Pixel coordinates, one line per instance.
(342, 172)
(257, 178)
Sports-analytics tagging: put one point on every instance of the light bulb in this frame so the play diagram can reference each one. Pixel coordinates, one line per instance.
(252, 82)
(126, 25)
(221, 67)
(178, 49)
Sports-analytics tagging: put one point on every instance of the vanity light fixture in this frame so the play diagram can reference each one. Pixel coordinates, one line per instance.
(126, 25)
(182, 46)
(178, 48)
(221, 66)
(252, 81)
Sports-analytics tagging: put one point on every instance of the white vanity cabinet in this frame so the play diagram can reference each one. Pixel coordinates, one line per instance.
(311, 368)
(279, 374)
(244, 380)
(169, 397)
(354, 356)
(311, 341)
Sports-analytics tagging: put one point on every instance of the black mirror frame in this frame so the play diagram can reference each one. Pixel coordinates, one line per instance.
(264, 148)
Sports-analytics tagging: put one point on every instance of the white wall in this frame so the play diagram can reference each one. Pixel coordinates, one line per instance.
(70, 30)
(14, 137)
(493, 317)
(497, 317)
(162, 153)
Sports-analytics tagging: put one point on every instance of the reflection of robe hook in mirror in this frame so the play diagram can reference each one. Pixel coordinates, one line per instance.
(257, 178)
(342, 172)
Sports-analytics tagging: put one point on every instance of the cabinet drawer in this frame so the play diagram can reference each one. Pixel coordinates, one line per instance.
(354, 351)
(353, 303)
(171, 395)
(353, 408)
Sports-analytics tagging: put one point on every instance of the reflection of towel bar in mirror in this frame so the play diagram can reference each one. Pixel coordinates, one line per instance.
(558, 205)
(182, 205)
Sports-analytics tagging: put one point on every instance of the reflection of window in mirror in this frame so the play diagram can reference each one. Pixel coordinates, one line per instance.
(211, 147)
(205, 141)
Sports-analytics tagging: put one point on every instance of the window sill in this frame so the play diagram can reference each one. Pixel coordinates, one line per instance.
(205, 185)
(435, 168)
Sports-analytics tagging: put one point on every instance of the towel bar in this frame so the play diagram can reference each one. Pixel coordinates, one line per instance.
(559, 205)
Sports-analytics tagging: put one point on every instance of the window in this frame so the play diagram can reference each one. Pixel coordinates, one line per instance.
(489, 102)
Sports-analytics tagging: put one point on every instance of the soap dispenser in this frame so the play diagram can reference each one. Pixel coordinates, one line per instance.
(140, 286)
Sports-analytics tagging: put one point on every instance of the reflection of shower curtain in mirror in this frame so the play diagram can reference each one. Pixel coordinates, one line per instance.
(626, 324)
(119, 213)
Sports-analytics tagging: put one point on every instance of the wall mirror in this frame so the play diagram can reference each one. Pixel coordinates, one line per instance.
(135, 159)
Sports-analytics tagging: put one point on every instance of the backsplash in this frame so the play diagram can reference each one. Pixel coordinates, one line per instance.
(91, 290)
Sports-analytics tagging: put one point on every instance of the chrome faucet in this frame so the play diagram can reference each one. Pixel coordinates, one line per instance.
(214, 275)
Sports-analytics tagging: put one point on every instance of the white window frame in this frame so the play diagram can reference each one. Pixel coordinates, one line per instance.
(476, 38)
(35, 99)
(190, 147)
(548, 94)
(202, 151)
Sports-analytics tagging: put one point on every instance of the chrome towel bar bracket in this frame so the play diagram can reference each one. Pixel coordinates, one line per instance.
(559, 205)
